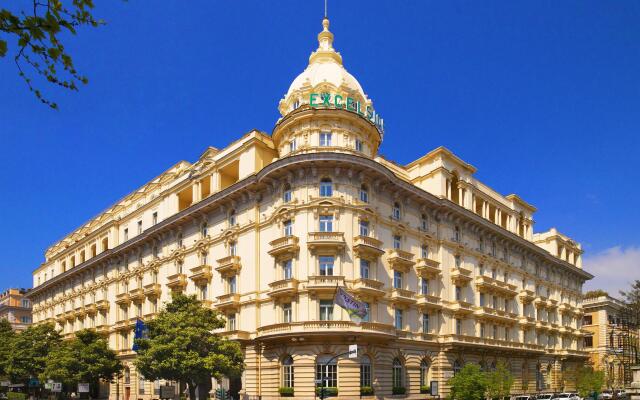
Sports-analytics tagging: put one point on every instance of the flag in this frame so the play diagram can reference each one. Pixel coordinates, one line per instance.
(352, 306)
(139, 332)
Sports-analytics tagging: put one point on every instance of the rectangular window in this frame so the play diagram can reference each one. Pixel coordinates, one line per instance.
(358, 145)
(397, 279)
(456, 234)
(424, 251)
(482, 330)
(425, 323)
(588, 341)
(233, 249)
(287, 313)
(287, 269)
(139, 227)
(326, 265)
(458, 293)
(154, 218)
(495, 332)
(424, 286)
(364, 194)
(231, 322)
(364, 269)
(325, 139)
(125, 236)
(398, 318)
(458, 326)
(506, 334)
(397, 241)
(326, 223)
(326, 188)
(288, 228)
(231, 281)
(587, 320)
(293, 145)
(326, 310)
(495, 302)
(364, 228)
(482, 301)
(367, 307)
(365, 375)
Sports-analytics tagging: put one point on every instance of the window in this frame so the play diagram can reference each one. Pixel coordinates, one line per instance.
(126, 234)
(457, 367)
(156, 388)
(458, 261)
(327, 371)
(494, 273)
(505, 277)
(482, 300)
(326, 187)
(398, 318)
(424, 251)
(139, 227)
(482, 330)
(326, 223)
(288, 228)
(139, 310)
(231, 281)
(326, 265)
(364, 228)
(424, 223)
(203, 258)
(395, 212)
(232, 218)
(424, 373)
(233, 248)
(231, 322)
(588, 341)
(287, 269)
(140, 384)
(25, 319)
(397, 280)
(26, 303)
(365, 371)
(204, 229)
(587, 320)
(364, 193)
(495, 332)
(325, 139)
(293, 146)
(287, 372)
(425, 323)
(364, 269)
(506, 334)
(326, 310)
(458, 293)
(397, 376)
(287, 313)
(456, 233)
(458, 326)
(179, 239)
(203, 292)
(286, 194)
(424, 286)
(358, 145)
(397, 241)
(367, 307)
(154, 218)
(494, 300)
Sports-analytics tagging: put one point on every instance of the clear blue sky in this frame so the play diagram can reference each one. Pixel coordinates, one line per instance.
(543, 97)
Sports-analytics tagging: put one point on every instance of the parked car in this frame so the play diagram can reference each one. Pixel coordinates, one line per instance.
(544, 396)
(606, 395)
(523, 397)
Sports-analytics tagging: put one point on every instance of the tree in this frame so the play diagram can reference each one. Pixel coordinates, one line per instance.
(29, 351)
(468, 384)
(6, 337)
(181, 346)
(36, 35)
(85, 359)
(589, 381)
(499, 382)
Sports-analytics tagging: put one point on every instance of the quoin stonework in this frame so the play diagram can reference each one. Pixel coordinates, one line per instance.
(265, 229)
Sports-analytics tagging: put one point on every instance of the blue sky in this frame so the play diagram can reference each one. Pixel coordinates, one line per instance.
(543, 97)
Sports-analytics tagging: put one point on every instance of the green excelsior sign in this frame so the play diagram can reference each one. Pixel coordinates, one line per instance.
(332, 100)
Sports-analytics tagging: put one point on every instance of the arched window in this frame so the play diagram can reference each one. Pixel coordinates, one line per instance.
(397, 374)
(365, 371)
(327, 370)
(364, 193)
(326, 187)
(457, 367)
(127, 375)
(287, 372)
(395, 213)
(232, 218)
(286, 194)
(424, 374)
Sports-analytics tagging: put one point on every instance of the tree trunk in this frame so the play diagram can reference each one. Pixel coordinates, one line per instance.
(192, 391)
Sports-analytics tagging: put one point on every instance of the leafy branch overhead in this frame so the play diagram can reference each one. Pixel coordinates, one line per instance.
(36, 35)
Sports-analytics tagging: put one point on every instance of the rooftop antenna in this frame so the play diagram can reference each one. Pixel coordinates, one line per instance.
(325, 8)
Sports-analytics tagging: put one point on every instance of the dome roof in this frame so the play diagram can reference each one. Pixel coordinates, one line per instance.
(325, 72)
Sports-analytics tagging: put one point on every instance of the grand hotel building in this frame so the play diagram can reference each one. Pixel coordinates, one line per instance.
(264, 229)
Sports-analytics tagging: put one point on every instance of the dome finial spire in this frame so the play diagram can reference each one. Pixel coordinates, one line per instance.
(325, 9)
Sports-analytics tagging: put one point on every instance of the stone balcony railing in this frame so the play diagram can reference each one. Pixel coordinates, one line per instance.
(526, 296)
(491, 314)
(489, 342)
(228, 301)
(460, 276)
(428, 302)
(368, 288)
(137, 295)
(368, 247)
(229, 265)
(326, 327)
(402, 296)
(201, 275)
(284, 247)
(332, 242)
(284, 288)
(460, 307)
(177, 281)
(152, 290)
(427, 268)
(123, 299)
(400, 260)
(488, 284)
(324, 283)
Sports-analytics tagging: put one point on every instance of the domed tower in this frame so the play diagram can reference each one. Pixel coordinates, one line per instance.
(325, 108)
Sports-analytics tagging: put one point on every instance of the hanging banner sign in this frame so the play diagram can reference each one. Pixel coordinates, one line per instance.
(334, 100)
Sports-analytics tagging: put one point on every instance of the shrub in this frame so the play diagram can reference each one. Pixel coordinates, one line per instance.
(425, 389)
(399, 390)
(366, 391)
(16, 396)
(286, 391)
(328, 391)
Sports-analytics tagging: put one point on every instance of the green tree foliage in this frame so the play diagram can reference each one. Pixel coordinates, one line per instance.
(589, 381)
(6, 338)
(29, 351)
(85, 359)
(36, 33)
(468, 384)
(499, 382)
(182, 346)
(591, 294)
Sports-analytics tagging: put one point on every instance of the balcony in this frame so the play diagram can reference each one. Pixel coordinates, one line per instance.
(427, 268)
(491, 285)
(201, 274)
(552, 304)
(284, 288)
(177, 282)
(137, 295)
(324, 283)
(460, 307)
(542, 325)
(368, 288)
(229, 266)
(229, 301)
(102, 305)
(490, 314)
(102, 329)
(502, 345)
(330, 242)
(527, 321)
(400, 260)
(324, 328)
(152, 290)
(526, 296)
(367, 247)
(460, 276)
(428, 302)
(123, 299)
(565, 308)
(236, 335)
(80, 312)
(540, 301)
(91, 309)
(402, 296)
(284, 247)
